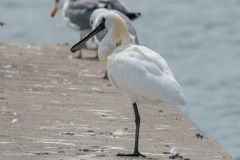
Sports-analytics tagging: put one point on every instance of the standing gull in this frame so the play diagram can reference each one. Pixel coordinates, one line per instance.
(2, 23)
(76, 13)
(139, 73)
(95, 20)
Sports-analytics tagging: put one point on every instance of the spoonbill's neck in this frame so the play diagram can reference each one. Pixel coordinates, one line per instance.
(117, 35)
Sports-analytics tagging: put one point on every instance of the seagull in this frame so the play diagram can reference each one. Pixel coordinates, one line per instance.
(139, 73)
(76, 13)
(96, 18)
(2, 23)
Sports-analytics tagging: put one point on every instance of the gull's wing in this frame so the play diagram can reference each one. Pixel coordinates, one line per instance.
(78, 12)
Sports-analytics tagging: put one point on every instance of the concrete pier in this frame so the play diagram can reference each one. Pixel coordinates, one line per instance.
(52, 106)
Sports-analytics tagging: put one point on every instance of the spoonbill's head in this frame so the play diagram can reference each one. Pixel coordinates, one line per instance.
(58, 5)
(117, 31)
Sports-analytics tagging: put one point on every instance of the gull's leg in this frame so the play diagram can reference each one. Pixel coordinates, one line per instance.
(94, 49)
(79, 55)
(96, 57)
(86, 47)
(80, 51)
(137, 121)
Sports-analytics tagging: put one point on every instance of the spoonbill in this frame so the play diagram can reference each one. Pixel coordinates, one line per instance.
(139, 73)
(95, 20)
(76, 13)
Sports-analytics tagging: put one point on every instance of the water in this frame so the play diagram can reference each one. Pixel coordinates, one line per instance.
(200, 40)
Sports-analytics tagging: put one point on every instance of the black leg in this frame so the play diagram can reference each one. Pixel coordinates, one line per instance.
(137, 121)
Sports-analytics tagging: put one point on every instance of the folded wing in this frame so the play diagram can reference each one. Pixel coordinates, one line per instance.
(144, 76)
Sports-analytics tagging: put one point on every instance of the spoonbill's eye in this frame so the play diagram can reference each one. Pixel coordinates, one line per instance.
(103, 20)
(57, 1)
(91, 22)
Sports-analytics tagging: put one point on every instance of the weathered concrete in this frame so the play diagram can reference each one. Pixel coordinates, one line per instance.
(62, 112)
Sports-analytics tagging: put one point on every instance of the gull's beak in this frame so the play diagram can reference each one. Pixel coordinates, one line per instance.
(54, 12)
(80, 44)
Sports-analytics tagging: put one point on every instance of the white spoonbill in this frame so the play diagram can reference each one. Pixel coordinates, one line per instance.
(95, 20)
(137, 72)
(76, 13)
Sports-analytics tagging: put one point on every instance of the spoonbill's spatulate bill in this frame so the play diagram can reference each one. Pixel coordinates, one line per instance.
(76, 13)
(140, 74)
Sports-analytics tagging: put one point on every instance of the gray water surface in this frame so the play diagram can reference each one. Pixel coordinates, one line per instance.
(200, 40)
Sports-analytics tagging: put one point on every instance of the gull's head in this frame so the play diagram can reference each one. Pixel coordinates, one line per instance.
(58, 5)
(96, 16)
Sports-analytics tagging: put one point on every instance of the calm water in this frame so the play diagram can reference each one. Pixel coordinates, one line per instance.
(200, 40)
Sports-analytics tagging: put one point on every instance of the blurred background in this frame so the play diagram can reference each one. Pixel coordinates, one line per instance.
(200, 40)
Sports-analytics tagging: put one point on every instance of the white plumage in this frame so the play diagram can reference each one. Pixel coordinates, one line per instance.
(143, 76)
(137, 72)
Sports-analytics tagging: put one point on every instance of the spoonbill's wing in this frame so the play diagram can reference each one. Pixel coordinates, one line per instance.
(144, 76)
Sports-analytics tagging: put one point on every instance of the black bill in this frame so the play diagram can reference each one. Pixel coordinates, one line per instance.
(80, 44)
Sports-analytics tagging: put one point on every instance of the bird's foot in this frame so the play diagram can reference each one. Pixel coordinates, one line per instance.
(105, 76)
(135, 154)
(79, 55)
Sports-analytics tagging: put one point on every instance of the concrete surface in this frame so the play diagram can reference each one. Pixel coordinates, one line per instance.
(52, 107)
